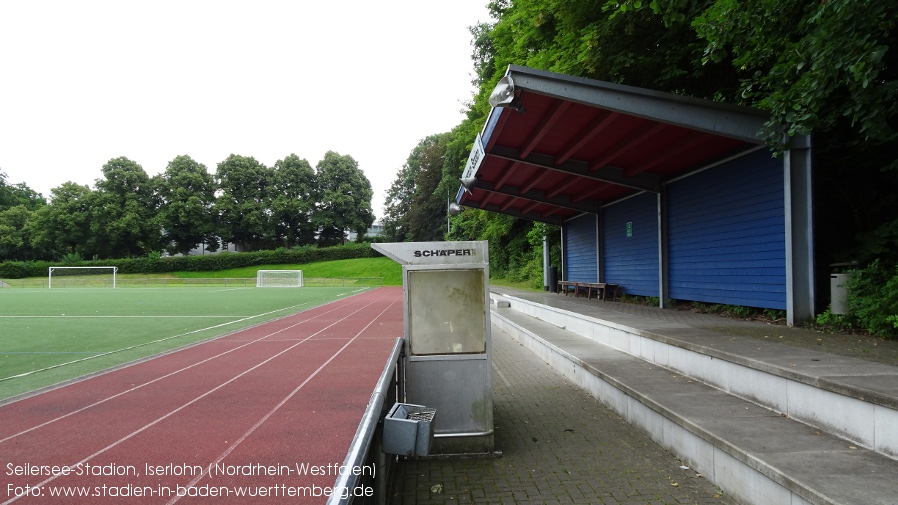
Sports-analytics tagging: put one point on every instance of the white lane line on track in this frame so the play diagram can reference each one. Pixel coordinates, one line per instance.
(166, 375)
(277, 407)
(191, 402)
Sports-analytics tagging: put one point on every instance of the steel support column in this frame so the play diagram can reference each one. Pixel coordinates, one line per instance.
(800, 284)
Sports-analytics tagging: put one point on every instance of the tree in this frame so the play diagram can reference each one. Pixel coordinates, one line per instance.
(581, 39)
(427, 212)
(244, 202)
(63, 225)
(123, 220)
(345, 198)
(398, 204)
(812, 65)
(15, 239)
(187, 192)
(18, 194)
(414, 210)
(17, 205)
(293, 200)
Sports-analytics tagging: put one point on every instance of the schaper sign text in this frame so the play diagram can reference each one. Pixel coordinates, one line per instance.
(444, 252)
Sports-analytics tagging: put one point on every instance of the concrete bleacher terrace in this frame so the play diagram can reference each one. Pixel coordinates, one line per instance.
(768, 423)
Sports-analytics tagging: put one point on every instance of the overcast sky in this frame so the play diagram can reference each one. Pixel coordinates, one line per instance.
(82, 82)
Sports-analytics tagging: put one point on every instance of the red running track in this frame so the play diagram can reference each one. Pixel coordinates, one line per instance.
(266, 408)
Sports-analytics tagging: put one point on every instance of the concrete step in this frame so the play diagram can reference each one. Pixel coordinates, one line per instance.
(742, 437)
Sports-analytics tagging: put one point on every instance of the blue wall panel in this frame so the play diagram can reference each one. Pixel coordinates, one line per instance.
(580, 254)
(726, 234)
(632, 261)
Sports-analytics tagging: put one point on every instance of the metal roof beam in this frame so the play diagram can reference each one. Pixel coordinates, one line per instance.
(611, 175)
(536, 180)
(598, 125)
(554, 115)
(539, 196)
(557, 190)
(509, 171)
(635, 140)
(530, 216)
(679, 146)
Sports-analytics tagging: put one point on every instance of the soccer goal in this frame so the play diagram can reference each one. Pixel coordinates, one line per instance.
(279, 279)
(82, 277)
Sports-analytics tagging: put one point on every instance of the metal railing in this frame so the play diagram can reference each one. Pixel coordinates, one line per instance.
(364, 452)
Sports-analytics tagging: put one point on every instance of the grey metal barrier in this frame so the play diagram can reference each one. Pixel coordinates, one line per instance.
(355, 485)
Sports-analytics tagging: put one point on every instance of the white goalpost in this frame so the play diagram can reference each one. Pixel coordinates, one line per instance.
(279, 279)
(82, 276)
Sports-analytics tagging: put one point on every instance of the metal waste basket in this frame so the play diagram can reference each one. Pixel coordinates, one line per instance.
(838, 286)
(838, 293)
(408, 430)
(553, 279)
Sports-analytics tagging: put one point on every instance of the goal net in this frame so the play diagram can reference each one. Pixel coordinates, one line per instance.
(95, 277)
(279, 279)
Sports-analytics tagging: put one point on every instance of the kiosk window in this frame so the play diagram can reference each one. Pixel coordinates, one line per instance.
(447, 312)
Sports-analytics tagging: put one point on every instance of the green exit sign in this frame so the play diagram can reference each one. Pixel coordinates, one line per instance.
(630, 228)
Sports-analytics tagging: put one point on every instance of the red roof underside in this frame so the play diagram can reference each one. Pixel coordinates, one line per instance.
(557, 133)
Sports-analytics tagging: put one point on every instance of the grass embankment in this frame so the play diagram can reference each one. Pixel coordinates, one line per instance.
(360, 268)
(351, 268)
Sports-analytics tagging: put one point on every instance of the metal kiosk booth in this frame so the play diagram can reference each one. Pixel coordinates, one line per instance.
(448, 358)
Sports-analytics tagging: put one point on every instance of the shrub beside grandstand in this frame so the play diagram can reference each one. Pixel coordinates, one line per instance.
(205, 263)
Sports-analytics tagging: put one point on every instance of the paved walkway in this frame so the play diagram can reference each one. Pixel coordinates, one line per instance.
(559, 445)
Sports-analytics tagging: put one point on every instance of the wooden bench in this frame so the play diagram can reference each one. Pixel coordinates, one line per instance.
(599, 289)
(569, 286)
(589, 289)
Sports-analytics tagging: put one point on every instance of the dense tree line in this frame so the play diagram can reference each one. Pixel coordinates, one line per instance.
(130, 214)
(828, 67)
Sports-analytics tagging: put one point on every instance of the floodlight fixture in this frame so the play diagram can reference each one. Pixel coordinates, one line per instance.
(455, 209)
(469, 183)
(503, 95)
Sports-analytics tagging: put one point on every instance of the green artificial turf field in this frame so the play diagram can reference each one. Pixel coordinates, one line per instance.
(52, 335)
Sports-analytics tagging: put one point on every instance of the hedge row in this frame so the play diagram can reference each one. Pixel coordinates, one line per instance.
(205, 263)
